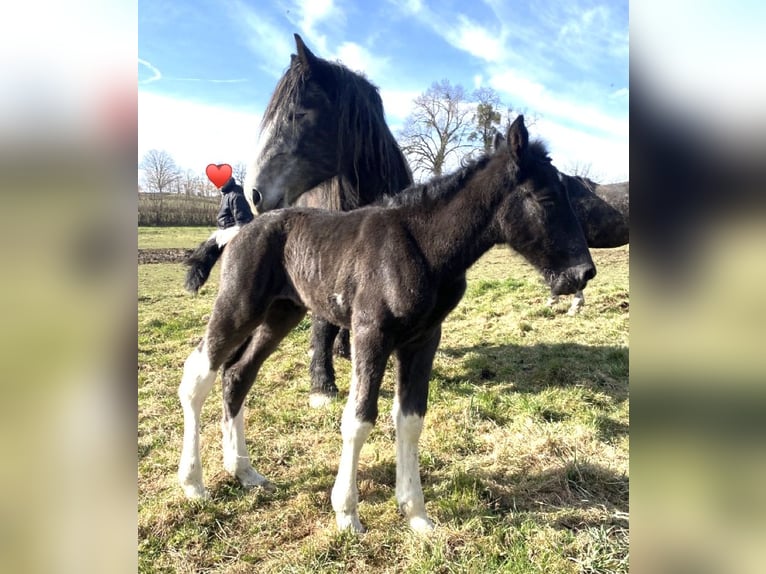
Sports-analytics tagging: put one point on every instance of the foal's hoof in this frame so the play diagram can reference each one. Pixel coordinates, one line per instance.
(319, 399)
(194, 491)
(342, 347)
(421, 524)
(249, 479)
(349, 522)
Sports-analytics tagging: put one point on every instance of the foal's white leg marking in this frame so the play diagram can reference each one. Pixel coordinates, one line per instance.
(577, 303)
(195, 386)
(552, 300)
(223, 236)
(236, 459)
(409, 493)
(345, 496)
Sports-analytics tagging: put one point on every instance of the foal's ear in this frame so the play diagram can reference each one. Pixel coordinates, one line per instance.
(518, 137)
(305, 56)
(497, 141)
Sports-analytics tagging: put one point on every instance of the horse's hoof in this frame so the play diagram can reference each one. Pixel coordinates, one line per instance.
(421, 524)
(349, 522)
(317, 399)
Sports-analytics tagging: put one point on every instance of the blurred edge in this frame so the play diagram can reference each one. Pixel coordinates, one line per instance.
(68, 293)
(698, 358)
(698, 271)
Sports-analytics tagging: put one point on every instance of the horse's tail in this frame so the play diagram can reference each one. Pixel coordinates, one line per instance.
(200, 263)
(202, 259)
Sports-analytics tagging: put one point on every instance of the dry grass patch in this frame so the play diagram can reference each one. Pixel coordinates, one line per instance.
(524, 456)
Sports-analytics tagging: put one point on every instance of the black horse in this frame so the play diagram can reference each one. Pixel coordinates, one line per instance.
(603, 212)
(323, 142)
(390, 274)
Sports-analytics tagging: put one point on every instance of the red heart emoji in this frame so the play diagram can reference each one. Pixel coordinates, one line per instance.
(218, 173)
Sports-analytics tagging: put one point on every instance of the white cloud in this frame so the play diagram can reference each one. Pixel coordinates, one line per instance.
(269, 42)
(523, 92)
(621, 93)
(156, 74)
(398, 105)
(607, 157)
(475, 39)
(195, 134)
(359, 59)
(314, 11)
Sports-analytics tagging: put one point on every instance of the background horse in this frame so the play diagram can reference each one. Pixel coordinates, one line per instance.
(323, 132)
(390, 274)
(603, 212)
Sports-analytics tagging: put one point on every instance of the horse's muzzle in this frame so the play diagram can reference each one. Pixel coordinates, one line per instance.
(257, 199)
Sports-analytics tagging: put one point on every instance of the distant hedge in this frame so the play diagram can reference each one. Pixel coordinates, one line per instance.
(160, 209)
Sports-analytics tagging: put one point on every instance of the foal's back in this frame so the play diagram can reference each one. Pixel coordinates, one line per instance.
(332, 262)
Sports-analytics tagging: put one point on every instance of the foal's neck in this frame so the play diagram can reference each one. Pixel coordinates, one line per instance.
(454, 233)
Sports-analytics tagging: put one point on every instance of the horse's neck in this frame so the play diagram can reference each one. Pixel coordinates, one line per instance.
(455, 233)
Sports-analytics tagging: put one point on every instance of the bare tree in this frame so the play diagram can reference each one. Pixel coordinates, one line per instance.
(239, 171)
(486, 116)
(582, 169)
(160, 171)
(437, 131)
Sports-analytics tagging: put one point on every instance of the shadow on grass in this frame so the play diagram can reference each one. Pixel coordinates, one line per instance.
(564, 494)
(532, 368)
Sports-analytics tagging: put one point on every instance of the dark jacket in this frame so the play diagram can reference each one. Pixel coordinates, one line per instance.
(234, 207)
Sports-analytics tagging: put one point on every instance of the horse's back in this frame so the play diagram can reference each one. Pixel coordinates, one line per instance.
(617, 195)
(602, 211)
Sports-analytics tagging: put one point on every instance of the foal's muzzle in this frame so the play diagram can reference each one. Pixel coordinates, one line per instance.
(573, 279)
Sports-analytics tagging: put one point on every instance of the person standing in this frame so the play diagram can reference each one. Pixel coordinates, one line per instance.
(234, 210)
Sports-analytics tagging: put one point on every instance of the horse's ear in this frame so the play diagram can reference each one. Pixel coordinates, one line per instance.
(518, 137)
(305, 56)
(497, 141)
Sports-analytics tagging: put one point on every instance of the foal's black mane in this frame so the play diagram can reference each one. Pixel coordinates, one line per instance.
(363, 133)
(446, 186)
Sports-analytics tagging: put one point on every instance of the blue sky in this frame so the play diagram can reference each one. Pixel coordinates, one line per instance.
(207, 67)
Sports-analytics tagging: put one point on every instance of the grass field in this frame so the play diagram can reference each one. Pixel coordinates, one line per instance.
(524, 455)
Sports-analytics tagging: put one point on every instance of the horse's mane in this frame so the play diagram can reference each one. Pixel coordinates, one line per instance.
(363, 134)
(444, 187)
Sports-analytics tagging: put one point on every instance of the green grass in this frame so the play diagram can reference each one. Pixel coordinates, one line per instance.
(166, 237)
(524, 456)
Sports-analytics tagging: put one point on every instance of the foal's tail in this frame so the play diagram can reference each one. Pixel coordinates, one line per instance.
(200, 263)
(202, 259)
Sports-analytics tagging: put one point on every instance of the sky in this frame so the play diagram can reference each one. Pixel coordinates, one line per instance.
(207, 68)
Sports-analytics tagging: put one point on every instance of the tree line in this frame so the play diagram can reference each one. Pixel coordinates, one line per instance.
(160, 174)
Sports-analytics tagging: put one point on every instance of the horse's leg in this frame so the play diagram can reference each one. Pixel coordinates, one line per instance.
(408, 412)
(342, 346)
(198, 378)
(369, 354)
(578, 302)
(239, 374)
(323, 389)
(552, 300)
